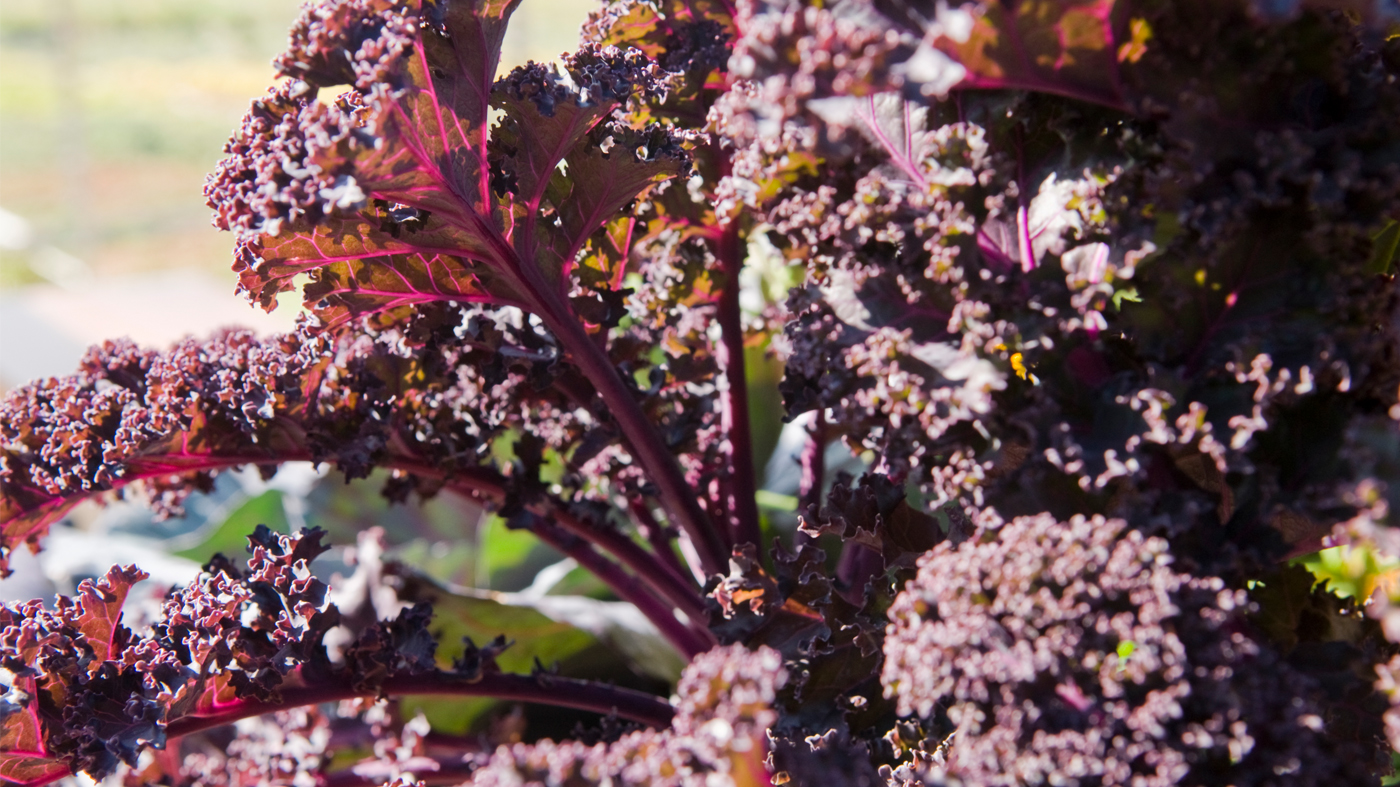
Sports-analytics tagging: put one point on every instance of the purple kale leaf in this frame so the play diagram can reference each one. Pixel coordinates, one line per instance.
(398, 194)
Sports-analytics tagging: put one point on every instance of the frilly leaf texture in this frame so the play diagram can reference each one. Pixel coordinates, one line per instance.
(398, 193)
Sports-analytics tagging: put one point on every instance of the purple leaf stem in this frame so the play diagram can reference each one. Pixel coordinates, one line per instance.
(658, 535)
(543, 689)
(666, 582)
(642, 439)
(742, 487)
(691, 639)
(813, 463)
(479, 484)
(900, 154)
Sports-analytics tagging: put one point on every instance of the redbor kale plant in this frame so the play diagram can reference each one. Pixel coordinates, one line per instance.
(1097, 296)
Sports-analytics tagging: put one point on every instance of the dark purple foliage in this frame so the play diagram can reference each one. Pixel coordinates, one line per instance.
(1074, 649)
(1098, 296)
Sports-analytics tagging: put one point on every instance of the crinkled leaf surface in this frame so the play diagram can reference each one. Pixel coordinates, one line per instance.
(401, 196)
(375, 260)
(20, 770)
(101, 605)
(23, 759)
(568, 183)
(90, 626)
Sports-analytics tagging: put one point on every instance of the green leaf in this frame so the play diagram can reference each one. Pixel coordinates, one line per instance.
(1385, 249)
(535, 635)
(447, 562)
(230, 536)
(1130, 294)
(345, 510)
(775, 501)
(1394, 777)
(582, 582)
(501, 550)
(1126, 648)
(536, 638)
(1293, 606)
(1352, 571)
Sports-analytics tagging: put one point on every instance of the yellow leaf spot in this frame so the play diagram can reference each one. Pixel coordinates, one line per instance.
(1018, 364)
(1133, 50)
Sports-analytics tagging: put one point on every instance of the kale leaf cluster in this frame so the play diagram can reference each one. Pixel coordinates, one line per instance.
(1081, 318)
